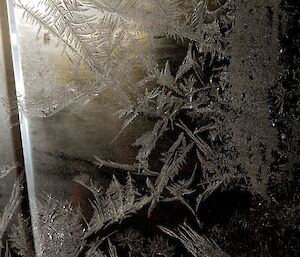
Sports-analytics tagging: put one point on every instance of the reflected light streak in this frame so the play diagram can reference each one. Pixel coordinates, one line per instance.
(24, 125)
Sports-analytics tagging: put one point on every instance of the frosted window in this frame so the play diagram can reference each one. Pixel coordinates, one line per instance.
(155, 128)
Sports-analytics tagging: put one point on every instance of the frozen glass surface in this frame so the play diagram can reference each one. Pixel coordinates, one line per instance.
(160, 127)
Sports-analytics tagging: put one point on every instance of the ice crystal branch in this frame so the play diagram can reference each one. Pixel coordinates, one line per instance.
(140, 245)
(60, 229)
(196, 244)
(12, 206)
(118, 203)
(74, 29)
(181, 189)
(154, 17)
(174, 159)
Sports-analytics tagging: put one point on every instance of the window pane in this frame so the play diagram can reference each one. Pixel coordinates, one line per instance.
(160, 128)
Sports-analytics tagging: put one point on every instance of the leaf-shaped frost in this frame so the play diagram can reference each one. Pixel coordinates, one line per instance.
(187, 64)
(174, 159)
(196, 244)
(146, 16)
(148, 143)
(73, 28)
(118, 203)
(11, 207)
(180, 189)
(60, 229)
(115, 165)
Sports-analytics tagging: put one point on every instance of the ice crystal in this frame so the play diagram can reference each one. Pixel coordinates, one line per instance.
(60, 232)
(174, 159)
(116, 204)
(196, 244)
(140, 245)
(11, 207)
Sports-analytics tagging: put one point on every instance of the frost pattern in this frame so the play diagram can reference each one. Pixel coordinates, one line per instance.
(109, 38)
(118, 203)
(61, 231)
(183, 102)
(11, 207)
(196, 244)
